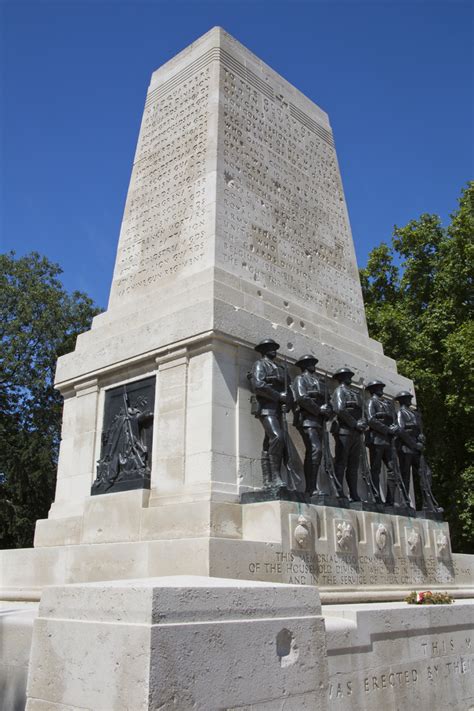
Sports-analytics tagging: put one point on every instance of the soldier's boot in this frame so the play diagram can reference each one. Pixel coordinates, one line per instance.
(275, 464)
(391, 488)
(376, 490)
(311, 481)
(266, 471)
(352, 484)
(314, 476)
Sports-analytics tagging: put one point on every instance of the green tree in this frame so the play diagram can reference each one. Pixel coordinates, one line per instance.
(39, 322)
(419, 300)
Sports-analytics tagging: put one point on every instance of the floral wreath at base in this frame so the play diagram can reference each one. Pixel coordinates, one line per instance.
(429, 598)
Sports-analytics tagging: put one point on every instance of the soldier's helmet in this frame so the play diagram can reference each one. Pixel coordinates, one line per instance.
(306, 360)
(268, 344)
(403, 395)
(374, 384)
(342, 371)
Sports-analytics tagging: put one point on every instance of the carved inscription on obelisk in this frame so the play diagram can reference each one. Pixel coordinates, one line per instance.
(163, 230)
(285, 222)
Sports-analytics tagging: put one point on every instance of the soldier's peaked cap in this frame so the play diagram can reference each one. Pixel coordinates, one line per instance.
(343, 371)
(267, 345)
(308, 358)
(402, 394)
(374, 384)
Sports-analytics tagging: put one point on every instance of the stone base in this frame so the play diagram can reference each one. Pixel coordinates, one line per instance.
(121, 537)
(399, 510)
(340, 502)
(431, 515)
(273, 494)
(373, 506)
(400, 656)
(178, 643)
(207, 643)
(16, 629)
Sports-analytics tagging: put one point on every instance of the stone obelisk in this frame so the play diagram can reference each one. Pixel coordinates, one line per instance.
(235, 228)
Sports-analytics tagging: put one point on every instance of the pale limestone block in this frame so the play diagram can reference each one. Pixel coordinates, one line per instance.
(73, 488)
(200, 373)
(83, 459)
(198, 429)
(184, 520)
(66, 464)
(58, 532)
(261, 520)
(226, 520)
(113, 676)
(69, 416)
(30, 568)
(188, 556)
(224, 438)
(168, 473)
(86, 407)
(170, 433)
(190, 520)
(16, 628)
(114, 517)
(225, 375)
(107, 561)
(139, 645)
(407, 656)
(463, 566)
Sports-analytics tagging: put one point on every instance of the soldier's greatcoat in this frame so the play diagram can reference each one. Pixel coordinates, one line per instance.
(268, 380)
(310, 395)
(348, 408)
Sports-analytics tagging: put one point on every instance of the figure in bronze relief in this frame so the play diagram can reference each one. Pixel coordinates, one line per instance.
(124, 455)
(310, 413)
(382, 428)
(411, 443)
(347, 429)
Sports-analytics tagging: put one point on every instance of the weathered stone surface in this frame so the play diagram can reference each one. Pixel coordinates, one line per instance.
(396, 656)
(185, 643)
(342, 551)
(16, 628)
(200, 643)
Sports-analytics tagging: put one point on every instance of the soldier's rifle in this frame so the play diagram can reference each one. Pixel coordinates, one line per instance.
(327, 460)
(291, 476)
(399, 483)
(373, 495)
(139, 459)
(429, 500)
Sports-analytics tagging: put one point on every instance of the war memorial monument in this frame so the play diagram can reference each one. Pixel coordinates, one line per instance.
(242, 500)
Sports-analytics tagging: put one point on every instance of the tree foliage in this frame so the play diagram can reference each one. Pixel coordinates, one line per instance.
(419, 300)
(39, 322)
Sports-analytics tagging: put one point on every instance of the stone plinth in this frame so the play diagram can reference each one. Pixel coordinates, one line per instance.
(205, 644)
(353, 555)
(399, 656)
(177, 643)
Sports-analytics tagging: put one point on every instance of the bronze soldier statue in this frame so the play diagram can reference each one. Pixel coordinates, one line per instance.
(347, 429)
(310, 412)
(382, 428)
(269, 383)
(411, 443)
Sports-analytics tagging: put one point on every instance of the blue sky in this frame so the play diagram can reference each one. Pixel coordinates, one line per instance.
(396, 78)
